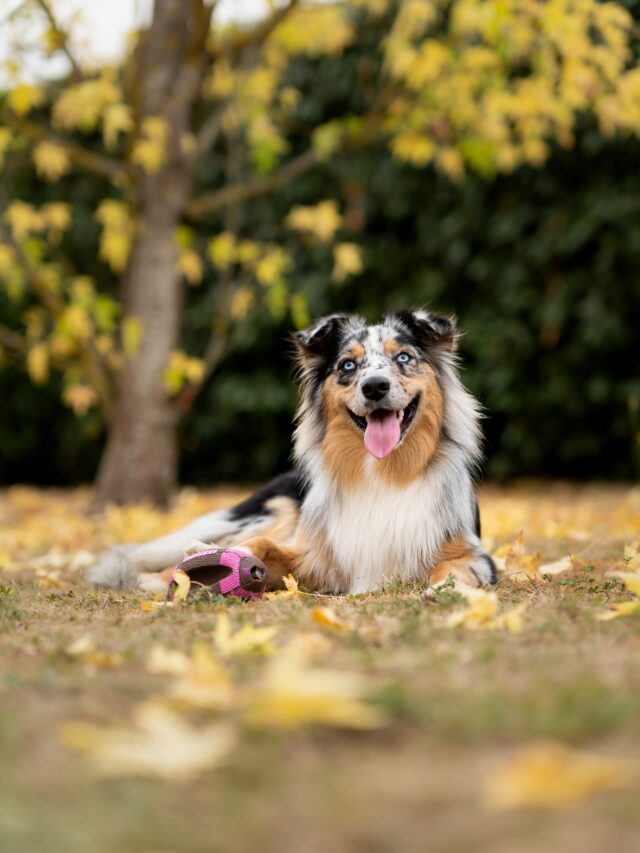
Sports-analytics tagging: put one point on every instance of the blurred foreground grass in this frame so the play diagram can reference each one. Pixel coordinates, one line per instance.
(457, 703)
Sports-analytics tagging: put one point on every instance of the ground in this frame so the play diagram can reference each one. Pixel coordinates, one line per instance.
(374, 723)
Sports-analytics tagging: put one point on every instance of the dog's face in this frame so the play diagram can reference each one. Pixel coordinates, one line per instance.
(377, 385)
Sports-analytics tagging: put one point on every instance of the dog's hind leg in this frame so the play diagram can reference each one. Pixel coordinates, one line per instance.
(121, 566)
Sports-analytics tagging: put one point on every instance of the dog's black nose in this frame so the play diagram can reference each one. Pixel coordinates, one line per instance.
(375, 387)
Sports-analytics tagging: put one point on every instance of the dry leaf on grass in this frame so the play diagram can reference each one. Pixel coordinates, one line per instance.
(204, 684)
(632, 556)
(513, 562)
(292, 694)
(291, 590)
(162, 661)
(84, 650)
(247, 640)
(553, 776)
(618, 609)
(183, 585)
(328, 618)
(482, 614)
(630, 579)
(160, 744)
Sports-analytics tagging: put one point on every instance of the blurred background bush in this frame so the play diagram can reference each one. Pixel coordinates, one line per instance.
(540, 266)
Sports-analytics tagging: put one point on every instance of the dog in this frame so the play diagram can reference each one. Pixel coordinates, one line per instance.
(387, 443)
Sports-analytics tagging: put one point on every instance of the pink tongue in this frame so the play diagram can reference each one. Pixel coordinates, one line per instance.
(382, 433)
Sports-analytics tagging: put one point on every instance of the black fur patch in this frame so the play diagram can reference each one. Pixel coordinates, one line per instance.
(289, 485)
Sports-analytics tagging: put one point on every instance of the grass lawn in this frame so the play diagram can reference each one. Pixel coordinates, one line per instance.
(439, 714)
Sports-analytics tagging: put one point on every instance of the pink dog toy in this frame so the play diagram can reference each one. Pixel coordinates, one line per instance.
(223, 571)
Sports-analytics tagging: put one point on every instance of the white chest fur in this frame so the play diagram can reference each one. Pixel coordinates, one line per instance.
(379, 531)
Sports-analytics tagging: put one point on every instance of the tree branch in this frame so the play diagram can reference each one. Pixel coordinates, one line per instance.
(260, 33)
(63, 39)
(89, 160)
(236, 193)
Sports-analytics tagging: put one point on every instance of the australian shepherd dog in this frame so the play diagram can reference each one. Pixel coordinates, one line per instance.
(386, 446)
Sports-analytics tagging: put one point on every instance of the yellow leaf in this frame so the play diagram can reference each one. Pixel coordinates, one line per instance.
(50, 579)
(204, 684)
(24, 98)
(149, 150)
(347, 260)
(84, 650)
(482, 608)
(222, 250)
(80, 398)
(290, 591)
(162, 661)
(510, 620)
(315, 31)
(618, 609)
(38, 363)
(557, 568)
(183, 584)
(320, 221)
(328, 618)
(519, 565)
(247, 640)
(56, 215)
(160, 744)
(52, 161)
(81, 106)
(630, 579)
(116, 120)
(632, 557)
(190, 266)
(241, 302)
(23, 219)
(553, 776)
(292, 695)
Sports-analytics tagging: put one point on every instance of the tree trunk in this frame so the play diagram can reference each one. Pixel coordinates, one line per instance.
(141, 457)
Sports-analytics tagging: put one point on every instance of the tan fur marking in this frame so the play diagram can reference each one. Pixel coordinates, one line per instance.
(391, 347)
(357, 351)
(343, 444)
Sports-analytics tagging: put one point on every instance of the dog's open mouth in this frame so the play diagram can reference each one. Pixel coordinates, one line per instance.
(383, 428)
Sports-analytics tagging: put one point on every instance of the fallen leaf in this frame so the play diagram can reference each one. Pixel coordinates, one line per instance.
(618, 609)
(291, 590)
(518, 564)
(84, 649)
(551, 775)
(292, 694)
(632, 556)
(247, 640)
(162, 661)
(152, 605)
(482, 613)
(50, 579)
(183, 584)
(328, 618)
(205, 683)
(160, 744)
(557, 568)
(630, 579)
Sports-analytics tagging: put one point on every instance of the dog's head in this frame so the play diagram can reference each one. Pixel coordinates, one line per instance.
(377, 384)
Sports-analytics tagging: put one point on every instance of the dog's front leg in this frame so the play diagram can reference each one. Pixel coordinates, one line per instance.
(464, 559)
(280, 560)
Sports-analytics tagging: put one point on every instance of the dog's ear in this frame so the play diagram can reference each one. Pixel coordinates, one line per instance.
(430, 330)
(320, 341)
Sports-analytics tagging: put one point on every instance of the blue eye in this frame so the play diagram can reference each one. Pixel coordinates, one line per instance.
(348, 366)
(403, 358)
